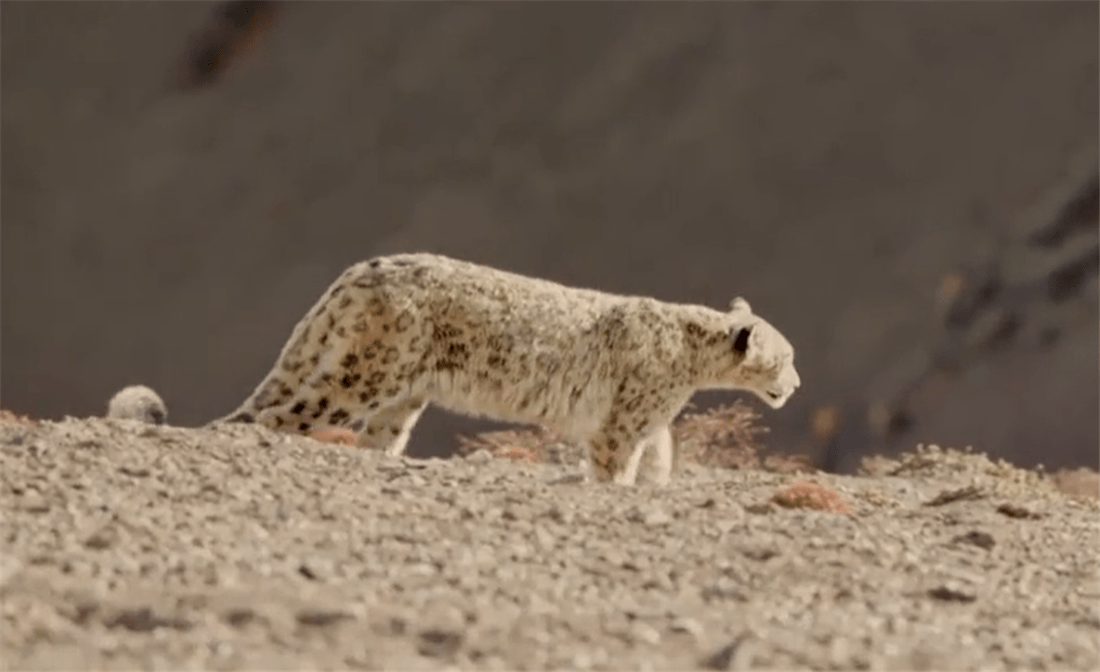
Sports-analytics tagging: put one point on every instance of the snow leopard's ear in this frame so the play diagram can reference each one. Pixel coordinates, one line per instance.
(739, 336)
(744, 321)
(740, 305)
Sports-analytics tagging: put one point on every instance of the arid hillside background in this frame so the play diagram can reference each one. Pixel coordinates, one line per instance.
(887, 183)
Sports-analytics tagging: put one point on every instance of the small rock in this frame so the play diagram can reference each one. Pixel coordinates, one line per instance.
(760, 554)
(948, 496)
(35, 503)
(644, 632)
(321, 617)
(568, 479)
(10, 566)
(688, 625)
(397, 626)
(950, 593)
(145, 619)
(722, 591)
(102, 539)
(480, 456)
(650, 516)
(582, 661)
(733, 656)
(1014, 511)
(980, 539)
(239, 617)
(656, 517)
(544, 539)
(436, 643)
(83, 611)
(613, 556)
(308, 572)
(561, 515)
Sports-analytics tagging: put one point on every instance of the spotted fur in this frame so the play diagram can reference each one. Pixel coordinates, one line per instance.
(395, 333)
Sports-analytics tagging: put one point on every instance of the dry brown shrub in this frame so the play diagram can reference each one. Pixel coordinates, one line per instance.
(337, 435)
(724, 436)
(790, 464)
(1083, 483)
(728, 437)
(537, 444)
(7, 416)
(876, 465)
(809, 495)
(517, 453)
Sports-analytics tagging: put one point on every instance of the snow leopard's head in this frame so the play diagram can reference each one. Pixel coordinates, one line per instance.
(763, 359)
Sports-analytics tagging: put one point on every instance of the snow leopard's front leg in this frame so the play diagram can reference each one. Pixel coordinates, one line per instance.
(635, 434)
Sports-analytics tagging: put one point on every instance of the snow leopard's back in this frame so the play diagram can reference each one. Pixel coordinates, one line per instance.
(469, 338)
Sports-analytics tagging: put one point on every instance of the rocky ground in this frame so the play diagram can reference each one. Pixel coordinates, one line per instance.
(128, 546)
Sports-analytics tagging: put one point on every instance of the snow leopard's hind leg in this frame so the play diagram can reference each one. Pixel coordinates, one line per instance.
(653, 459)
(611, 454)
(389, 427)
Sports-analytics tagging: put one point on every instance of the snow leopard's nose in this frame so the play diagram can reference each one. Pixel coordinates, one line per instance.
(790, 378)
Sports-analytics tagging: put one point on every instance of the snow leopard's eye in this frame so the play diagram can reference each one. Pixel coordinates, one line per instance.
(741, 340)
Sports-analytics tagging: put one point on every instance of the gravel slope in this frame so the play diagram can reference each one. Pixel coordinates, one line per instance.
(160, 547)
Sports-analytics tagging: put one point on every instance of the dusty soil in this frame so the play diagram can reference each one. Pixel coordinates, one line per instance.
(128, 546)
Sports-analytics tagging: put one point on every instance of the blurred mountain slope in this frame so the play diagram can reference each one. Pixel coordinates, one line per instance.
(831, 162)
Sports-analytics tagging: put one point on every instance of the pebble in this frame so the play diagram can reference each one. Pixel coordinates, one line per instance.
(688, 625)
